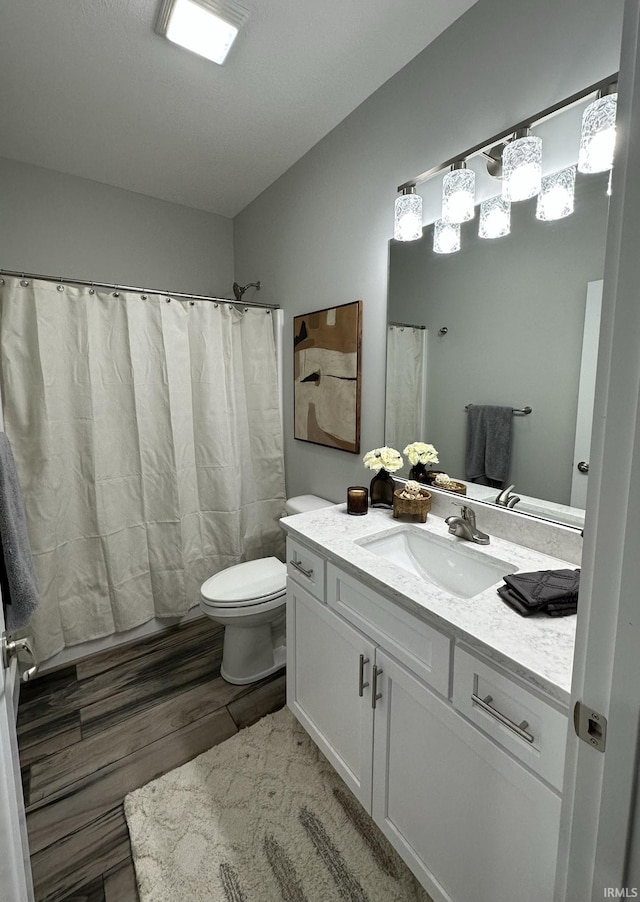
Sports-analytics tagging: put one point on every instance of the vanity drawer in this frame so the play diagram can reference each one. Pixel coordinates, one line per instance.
(306, 567)
(425, 650)
(520, 721)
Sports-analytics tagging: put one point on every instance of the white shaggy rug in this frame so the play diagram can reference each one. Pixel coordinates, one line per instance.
(261, 817)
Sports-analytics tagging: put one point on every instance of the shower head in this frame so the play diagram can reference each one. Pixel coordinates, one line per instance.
(239, 290)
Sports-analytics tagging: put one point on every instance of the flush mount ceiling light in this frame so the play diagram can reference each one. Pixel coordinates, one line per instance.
(446, 237)
(407, 224)
(206, 27)
(495, 218)
(555, 200)
(598, 135)
(459, 193)
(522, 166)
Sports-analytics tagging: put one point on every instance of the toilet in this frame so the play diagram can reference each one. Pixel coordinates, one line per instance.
(249, 600)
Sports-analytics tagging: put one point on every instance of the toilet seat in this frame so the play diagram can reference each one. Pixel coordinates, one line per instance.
(243, 585)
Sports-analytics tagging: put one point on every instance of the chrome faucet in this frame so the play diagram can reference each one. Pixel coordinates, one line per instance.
(506, 499)
(465, 527)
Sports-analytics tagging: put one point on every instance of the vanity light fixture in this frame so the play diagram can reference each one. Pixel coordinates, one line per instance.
(495, 218)
(555, 200)
(459, 193)
(446, 237)
(598, 134)
(522, 166)
(206, 27)
(407, 224)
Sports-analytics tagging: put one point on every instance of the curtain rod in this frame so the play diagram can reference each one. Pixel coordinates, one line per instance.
(406, 325)
(173, 294)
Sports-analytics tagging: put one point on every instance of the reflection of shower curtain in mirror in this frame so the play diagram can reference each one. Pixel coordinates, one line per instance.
(405, 399)
(148, 444)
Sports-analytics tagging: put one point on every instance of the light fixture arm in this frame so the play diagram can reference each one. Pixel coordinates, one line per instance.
(603, 85)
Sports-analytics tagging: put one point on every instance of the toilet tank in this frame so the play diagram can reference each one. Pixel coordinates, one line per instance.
(300, 504)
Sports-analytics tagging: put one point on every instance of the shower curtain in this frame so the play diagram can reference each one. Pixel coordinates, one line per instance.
(405, 398)
(148, 442)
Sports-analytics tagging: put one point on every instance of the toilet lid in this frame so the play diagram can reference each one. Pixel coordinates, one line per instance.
(246, 583)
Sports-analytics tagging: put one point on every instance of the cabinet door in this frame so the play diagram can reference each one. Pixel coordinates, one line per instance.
(323, 676)
(471, 822)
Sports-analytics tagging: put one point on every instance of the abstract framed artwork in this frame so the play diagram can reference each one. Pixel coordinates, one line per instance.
(327, 376)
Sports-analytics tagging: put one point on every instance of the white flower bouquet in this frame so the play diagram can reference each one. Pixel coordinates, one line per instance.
(383, 459)
(421, 453)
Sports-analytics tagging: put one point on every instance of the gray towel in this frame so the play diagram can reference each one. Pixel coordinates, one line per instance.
(19, 572)
(488, 444)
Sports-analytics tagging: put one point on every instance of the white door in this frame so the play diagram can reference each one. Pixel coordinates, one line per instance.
(600, 851)
(329, 676)
(454, 803)
(586, 395)
(15, 870)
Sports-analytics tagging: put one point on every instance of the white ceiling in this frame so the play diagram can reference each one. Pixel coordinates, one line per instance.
(87, 88)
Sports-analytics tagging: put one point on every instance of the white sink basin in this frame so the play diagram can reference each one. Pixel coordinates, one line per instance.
(457, 567)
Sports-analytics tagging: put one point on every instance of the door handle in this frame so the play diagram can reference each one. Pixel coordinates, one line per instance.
(12, 648)
(361, 684)
(375, 695)
(583, 466)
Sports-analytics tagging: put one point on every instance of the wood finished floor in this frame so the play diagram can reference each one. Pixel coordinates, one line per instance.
(92, 732)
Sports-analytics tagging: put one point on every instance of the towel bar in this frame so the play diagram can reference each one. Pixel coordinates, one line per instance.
(519, 411)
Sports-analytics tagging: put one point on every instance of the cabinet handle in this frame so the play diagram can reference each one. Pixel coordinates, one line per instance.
(375, 695)
(519, 729)
(362, 685)
(298, 566)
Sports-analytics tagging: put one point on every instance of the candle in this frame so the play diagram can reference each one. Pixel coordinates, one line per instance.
(357, 500)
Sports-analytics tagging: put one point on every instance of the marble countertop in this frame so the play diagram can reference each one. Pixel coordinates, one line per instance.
(538, 649)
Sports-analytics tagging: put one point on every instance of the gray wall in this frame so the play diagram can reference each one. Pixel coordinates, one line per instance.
(56, 224)
(319, 236)
(514, 309)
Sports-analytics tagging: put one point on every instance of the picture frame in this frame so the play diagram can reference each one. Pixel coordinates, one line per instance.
(327, 373)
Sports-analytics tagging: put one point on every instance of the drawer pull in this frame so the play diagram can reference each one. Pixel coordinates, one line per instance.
(361, 684)
(375, 695)
(301, 569)
(519, 729)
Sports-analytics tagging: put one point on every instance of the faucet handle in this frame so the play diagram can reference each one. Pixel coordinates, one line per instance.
(469, 515)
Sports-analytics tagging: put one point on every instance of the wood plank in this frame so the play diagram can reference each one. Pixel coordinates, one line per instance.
(120, 883)
(117, 694)
(127, 736)
(49, 743)
(193, 662)
(44, 700)
(133, 651)
(81, 857)
(265, 699)
(91, 892)
(82, 802)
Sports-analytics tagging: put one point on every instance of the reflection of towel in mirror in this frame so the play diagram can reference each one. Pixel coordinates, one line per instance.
(18, 576)
(488, 444)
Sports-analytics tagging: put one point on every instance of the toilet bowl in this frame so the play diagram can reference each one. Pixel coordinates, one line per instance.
(249, 600)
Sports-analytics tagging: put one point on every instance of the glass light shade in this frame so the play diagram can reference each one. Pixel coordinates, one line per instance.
(407, 224)
(522, 168)
(598, 136)
(458, 195)
(555, 200)
(446, 237)
(200, 30)
(495, 218)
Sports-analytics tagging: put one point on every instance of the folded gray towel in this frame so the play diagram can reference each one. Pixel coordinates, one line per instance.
(19, 572)
(488, 452)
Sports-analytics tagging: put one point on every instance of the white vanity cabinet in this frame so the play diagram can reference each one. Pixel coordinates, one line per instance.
(329, 666)
(454, 787)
